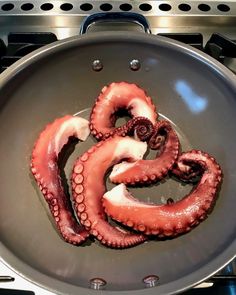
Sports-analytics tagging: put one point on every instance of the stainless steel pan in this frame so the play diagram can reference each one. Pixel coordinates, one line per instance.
(189, 88)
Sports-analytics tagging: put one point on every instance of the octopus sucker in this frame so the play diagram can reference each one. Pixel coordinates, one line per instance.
(119, 96)
(174, 218)
(44, 166)
(147, 171)
(110, 152)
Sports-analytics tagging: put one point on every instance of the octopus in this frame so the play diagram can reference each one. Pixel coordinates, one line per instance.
(118, 97)
(173, 218)
(146, 171)
(120, 152)
(44, 166)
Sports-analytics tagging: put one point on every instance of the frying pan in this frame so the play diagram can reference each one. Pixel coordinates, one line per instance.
(193, 91)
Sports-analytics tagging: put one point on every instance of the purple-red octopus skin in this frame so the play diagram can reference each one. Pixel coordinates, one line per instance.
(170, 219)
(88, 188)
(44, 166)
(115, 97)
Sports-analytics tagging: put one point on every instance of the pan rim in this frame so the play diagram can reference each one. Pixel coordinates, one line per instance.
(44, 279)
(179, 285)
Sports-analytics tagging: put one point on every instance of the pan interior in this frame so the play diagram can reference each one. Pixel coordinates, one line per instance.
(187, 91)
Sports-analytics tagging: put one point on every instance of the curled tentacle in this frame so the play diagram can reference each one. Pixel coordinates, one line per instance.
(88, 188)
(116, 97)
(44, 166)
(172, 218)
(141, 127)
(146, 171)
(158, 137)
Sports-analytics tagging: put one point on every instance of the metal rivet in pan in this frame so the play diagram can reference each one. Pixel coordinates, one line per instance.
(97, 283)
(135, 64)
(97, 65)
(151, 281)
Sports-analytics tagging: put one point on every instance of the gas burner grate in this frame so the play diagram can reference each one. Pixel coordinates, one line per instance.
(20, 44)
(193, 39)
(223, 49)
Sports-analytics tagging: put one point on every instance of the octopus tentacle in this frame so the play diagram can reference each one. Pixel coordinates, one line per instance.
(44, 166)
(115, 97)
(87, 193)
(142, 171)
(170, 219)
(141, 127)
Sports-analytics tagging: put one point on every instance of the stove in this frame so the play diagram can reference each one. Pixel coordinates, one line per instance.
(206, 25)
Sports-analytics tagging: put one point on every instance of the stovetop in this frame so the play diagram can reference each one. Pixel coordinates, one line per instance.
(206, 25)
